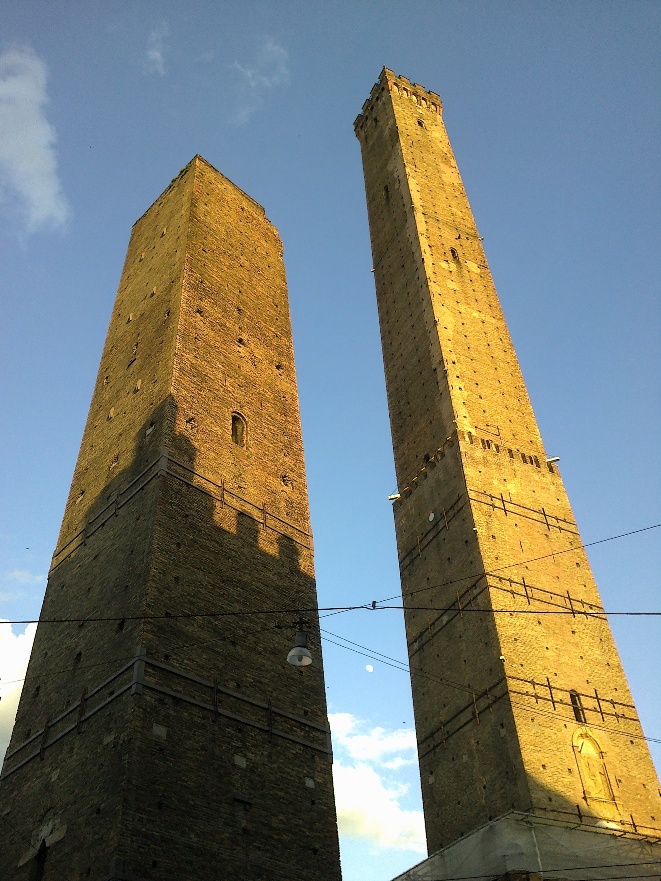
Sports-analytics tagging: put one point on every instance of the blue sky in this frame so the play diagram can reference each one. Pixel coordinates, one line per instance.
(553, 112)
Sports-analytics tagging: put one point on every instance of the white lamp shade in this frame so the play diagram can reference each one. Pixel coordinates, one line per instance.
(299, 656)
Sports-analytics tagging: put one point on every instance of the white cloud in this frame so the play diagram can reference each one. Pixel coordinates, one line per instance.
(368, 808)
(368, 794)
(398, 762)
(268, 70)
(28, 163)
(22, 576)
(155, 60)
(15, 651)
(374, 745)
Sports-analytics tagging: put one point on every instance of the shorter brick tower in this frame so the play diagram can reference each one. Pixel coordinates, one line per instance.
(161, 735)
(531, 752)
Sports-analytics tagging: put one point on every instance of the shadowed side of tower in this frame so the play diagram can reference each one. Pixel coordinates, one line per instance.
(161, 733)
(521, 703)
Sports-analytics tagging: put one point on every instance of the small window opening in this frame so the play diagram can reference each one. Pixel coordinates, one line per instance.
(454, 253)
(577, 706)
(239, 430)
(386, 193)
(421, 123)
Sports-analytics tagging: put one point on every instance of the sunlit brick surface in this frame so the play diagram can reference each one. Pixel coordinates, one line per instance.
(484, 523)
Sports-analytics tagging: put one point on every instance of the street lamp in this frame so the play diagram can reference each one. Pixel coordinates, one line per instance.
(299, 656)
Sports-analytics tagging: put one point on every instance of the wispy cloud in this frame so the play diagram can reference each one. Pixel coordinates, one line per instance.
(23, 576)
(268, 69)
(15, 651)
(28, 161)
(368, 795)
(156, 46)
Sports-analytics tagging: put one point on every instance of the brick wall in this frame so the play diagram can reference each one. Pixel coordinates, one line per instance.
(483, 522)
(181, 744)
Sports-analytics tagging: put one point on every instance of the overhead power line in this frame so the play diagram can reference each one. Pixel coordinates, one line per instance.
(547, 872)
(577, 547)
(370, 607)
(576, 613)
(364, 651)
(367, 652)
(373, 605)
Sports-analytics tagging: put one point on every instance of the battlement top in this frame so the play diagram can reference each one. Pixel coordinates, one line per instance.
(390, 82)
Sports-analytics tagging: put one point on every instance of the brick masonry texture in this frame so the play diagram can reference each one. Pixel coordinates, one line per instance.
(484, 523)
(175, 747)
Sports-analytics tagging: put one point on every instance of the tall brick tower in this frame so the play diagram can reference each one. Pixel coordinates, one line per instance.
(522, 709)
(161, 734)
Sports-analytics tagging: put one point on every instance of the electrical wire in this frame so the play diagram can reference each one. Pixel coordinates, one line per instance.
(575, 614)
(575, 869)
(370, 607)
(365, 651)
(243, 613)
(577, 547)
(374, 605)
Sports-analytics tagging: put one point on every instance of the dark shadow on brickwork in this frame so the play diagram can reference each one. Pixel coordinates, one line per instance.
(162, 706)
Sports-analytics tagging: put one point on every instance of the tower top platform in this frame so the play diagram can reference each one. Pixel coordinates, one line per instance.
(390, 81)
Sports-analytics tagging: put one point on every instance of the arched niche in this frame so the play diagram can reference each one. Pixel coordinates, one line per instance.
(595, 780)
(239, 430)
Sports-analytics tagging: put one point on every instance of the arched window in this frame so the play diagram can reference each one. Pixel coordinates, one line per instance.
(239, 430)
(577, 707)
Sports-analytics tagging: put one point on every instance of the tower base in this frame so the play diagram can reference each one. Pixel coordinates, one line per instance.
(524, 846)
